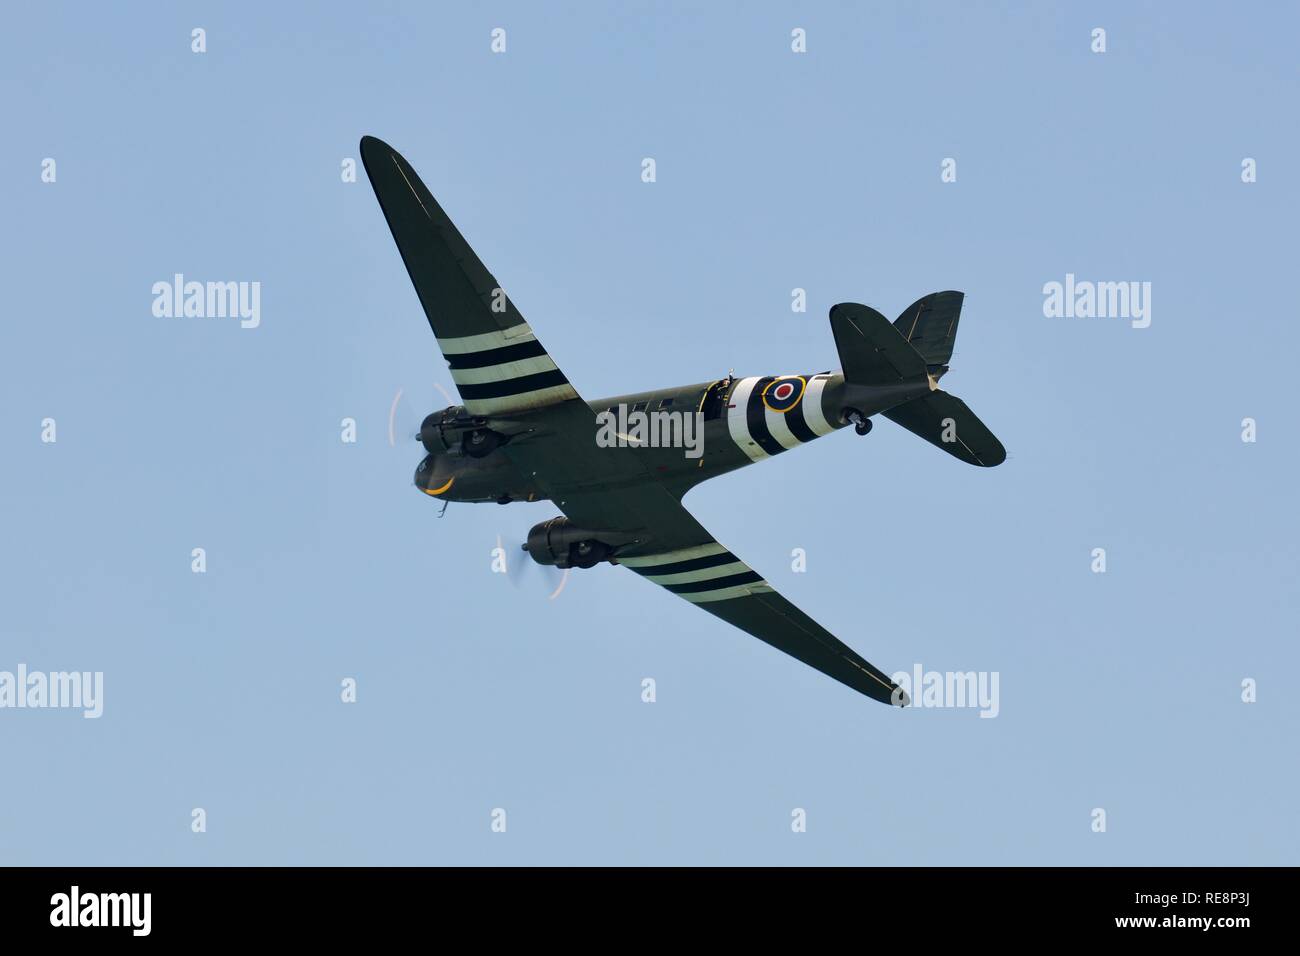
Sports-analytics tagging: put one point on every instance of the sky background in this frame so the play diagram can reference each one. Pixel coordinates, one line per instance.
(775, 171)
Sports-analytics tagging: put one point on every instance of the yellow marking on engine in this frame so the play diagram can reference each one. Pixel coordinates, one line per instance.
(438, 491)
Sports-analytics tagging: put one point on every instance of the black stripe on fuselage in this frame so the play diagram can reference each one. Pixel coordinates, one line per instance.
(506, 353)
(716, 584)
(694, 564)
(795, 421)
(756, 419)
(513, 386)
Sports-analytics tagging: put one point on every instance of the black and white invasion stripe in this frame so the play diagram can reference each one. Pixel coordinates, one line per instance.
(706, 572)
(504, 371)
(760, 432)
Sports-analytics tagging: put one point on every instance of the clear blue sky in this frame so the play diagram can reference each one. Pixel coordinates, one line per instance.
(775, 171)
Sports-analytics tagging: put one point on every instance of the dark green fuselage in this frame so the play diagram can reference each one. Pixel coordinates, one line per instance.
(744, 420)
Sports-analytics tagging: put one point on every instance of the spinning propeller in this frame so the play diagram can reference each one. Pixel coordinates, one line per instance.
(524, 571)
(404, 418)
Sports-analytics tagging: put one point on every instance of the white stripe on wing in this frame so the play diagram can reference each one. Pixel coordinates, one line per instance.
(726, 594)
(703, 574)
(498, 373)
(459, 345)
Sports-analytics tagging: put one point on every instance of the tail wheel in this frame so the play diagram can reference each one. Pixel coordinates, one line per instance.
(861, 424)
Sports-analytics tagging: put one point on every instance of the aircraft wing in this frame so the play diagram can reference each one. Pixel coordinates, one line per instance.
(715, 580)
(497, 363)
(608, 489)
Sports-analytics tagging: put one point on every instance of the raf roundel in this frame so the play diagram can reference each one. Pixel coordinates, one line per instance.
(783, 394)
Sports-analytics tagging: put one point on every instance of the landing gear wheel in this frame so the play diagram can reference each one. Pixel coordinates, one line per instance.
(587, 554)
(861, 424)
(480, 443)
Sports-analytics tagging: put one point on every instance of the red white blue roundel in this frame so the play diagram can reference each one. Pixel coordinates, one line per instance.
(783, 394)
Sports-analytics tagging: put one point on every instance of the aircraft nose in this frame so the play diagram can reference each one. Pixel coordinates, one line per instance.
(428, 479)
(422, 473)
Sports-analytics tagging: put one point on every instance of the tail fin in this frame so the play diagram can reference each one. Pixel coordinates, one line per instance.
(930, 326)
(893, 370)
(873, 353)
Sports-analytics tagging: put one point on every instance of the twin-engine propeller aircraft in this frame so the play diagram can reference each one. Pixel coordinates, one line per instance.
(524, 434)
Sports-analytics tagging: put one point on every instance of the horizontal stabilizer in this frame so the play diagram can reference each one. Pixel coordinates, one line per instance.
(945, 421)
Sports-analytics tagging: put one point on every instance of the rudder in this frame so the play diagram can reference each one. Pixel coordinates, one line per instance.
(929, 325)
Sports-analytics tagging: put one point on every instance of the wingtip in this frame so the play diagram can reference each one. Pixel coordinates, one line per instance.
(373, 144)
(378, 155)
(993, 458)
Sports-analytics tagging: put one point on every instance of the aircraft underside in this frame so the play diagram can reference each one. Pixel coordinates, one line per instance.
(617, 469)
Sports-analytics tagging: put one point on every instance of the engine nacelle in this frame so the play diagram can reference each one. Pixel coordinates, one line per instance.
(560, 543)
(453, 429)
